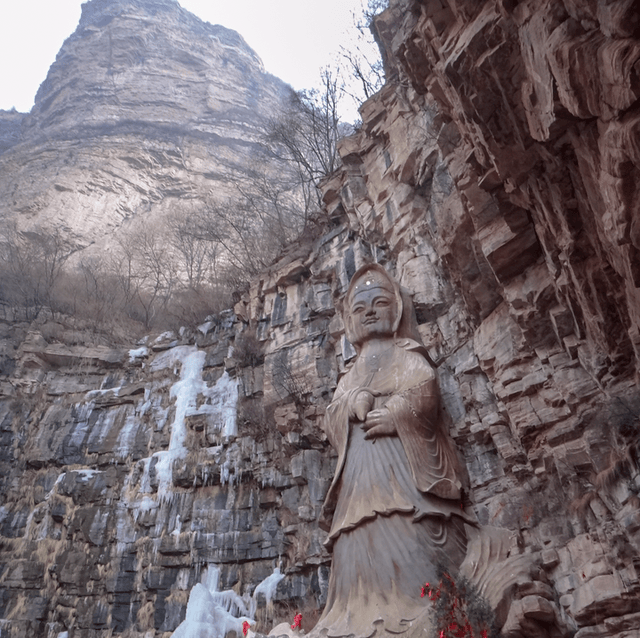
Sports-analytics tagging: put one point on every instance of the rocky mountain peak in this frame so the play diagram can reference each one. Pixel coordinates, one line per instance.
(153, 103)
(99, 13)
(135, 59)
(92, 9)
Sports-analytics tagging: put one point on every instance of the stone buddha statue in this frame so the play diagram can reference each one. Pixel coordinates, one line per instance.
(393, 512)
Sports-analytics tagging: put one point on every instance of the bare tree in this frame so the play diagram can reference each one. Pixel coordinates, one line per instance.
(98, 295)
(145, 269)
(198, 255)
(361, 60)
(305, 136)
(244, 241)
(32, 263)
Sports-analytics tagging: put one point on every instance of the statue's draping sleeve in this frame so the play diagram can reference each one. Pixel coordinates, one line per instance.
(434, 464)
(336, 427)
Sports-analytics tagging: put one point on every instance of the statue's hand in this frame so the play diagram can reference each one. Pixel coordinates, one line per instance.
(361, 403)
(379, 423)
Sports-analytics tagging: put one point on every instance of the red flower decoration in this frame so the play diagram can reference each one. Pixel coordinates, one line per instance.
(245, 627)
(297, 621)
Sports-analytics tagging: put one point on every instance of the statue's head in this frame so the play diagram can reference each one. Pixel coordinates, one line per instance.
(373, 305)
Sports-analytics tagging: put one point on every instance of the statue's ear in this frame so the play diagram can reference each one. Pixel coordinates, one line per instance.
(399, 307)
(349, 331)
(347, 318)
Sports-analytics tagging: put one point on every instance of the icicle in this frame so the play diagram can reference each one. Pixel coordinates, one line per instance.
(177, 528)
(212, 613)
(268, 589)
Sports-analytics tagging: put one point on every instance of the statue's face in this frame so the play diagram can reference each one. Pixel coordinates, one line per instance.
(373, 314)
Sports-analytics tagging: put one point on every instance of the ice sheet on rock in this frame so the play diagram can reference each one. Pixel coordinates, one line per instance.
(222, 406)
(145, 481)
(185, 392)
(226, 476)
(52, 490)
(82, 413)
(169, 335)
(203, 619)
(171, 358)
(212, 614)
(178, 527)
(127, 436)
(190, 395)
(205, 327)
(141, 410)
(96, 394)
(138, 353)
(268, 589)
(145, 505)
(208, 611)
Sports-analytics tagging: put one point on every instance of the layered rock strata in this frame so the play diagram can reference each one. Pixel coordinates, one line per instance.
(147, 112)
(497, 171)
(494, 176)
(128, 476)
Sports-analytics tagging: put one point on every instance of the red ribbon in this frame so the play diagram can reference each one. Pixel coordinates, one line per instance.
(297, 621)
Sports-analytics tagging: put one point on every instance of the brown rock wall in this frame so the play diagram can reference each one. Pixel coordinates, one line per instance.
(495, 175)
(495, 191)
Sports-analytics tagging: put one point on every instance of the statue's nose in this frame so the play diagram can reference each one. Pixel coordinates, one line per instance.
(370, 311)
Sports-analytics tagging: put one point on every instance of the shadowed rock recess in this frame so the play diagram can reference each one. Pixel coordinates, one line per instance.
(496, 177)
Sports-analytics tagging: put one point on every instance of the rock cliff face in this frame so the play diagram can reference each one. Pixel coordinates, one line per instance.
(495, 176)
(147, 110)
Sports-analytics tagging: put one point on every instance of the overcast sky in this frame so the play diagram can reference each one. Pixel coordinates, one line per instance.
(294, 38)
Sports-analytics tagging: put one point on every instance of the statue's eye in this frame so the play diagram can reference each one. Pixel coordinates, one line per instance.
(382, 302)
(358, 308)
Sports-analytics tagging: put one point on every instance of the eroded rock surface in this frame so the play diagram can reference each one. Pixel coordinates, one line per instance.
(495, 176)
(146, 111)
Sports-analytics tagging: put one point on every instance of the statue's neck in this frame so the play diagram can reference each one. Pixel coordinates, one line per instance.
(375, 352)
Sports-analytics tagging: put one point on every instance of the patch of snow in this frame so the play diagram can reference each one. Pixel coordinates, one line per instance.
(206, 327)
(85, 475)
(138, 353)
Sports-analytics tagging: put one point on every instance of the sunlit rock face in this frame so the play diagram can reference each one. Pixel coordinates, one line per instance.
(497, 177)
(506, 219)
(145, 111)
